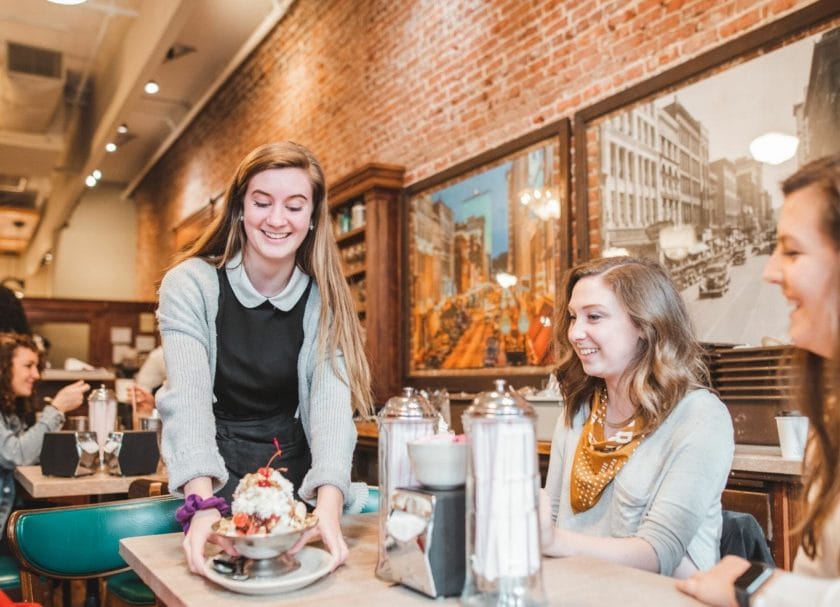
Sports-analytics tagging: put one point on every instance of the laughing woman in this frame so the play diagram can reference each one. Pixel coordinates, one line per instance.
(20, 443)
(806, 266)
(262, 343)
(641, 456)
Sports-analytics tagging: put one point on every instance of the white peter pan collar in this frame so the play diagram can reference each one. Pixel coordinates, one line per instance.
(248, 295)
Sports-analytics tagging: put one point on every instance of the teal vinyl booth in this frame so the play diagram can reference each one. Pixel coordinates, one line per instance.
(82, 542)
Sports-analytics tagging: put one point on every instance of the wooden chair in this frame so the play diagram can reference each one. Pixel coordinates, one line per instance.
(82, 543)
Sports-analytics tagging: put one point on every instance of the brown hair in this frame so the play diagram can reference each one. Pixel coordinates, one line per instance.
(819, 378)
(10, 403)
(668, 360)
(338, 327)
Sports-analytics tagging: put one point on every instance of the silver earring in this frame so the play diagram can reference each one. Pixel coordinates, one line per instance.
(242, 218)
(311, 226)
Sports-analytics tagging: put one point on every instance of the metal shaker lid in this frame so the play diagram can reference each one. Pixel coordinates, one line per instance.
(409, 404)
(503, 400)
(101, 393)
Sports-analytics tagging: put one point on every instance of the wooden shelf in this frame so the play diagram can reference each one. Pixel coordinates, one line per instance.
(346, 238)
(357, 269)
(379, 188)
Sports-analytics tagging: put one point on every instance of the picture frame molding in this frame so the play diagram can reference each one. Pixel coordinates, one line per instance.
(747, 46)
(470, 380)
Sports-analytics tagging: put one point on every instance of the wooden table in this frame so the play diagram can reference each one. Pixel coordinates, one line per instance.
(97, 484)
(159, 561)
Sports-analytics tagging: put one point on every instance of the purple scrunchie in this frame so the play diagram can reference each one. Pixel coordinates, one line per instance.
(193, 503)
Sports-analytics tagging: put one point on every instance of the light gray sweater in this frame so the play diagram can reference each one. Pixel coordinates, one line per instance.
(189, 303)
(668, 492)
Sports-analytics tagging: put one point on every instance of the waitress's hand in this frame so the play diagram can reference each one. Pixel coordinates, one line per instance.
(328, 509)
(70, 397)
(199, 534)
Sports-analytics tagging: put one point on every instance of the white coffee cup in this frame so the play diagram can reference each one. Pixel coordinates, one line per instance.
(793, 433)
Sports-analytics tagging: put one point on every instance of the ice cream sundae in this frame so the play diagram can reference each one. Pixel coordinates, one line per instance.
(264, 503)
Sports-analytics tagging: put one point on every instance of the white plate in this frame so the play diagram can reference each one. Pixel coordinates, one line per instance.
(314, 564)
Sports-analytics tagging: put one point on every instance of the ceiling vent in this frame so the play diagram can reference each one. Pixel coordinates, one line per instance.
(23, 59)
(32, 81)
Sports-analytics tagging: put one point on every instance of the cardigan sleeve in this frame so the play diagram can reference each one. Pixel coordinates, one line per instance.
(185, 401)
(692, 479)
(332, 435)
(795, 589)
(24, 448)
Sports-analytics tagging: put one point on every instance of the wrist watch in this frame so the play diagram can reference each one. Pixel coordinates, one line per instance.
(750, 581)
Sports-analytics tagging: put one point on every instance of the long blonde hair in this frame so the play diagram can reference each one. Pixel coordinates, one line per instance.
(819, 378)
(338, 326)
(668, 360)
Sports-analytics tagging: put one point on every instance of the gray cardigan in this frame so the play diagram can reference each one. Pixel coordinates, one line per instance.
(189, 302)
(668, 492)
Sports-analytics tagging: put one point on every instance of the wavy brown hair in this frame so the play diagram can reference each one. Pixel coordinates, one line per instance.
(10, 404)
(668, 360)
(819, 378)
(318, 256)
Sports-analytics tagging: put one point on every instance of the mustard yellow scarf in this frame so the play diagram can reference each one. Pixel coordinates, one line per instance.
(597, 458)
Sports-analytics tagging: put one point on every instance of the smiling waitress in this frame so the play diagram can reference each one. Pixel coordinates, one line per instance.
(262, 342)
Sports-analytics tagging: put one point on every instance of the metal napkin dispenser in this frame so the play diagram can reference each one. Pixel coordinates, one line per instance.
(131, 453)
(69, 454)
(425, 539)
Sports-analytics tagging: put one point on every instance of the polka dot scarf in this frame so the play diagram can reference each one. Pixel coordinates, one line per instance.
(598, 459)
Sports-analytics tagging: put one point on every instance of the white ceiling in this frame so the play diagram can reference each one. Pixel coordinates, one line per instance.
(53, 131)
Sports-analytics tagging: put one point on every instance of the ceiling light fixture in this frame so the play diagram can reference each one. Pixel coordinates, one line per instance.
(122, 129)
(544, 202)
(151, 87)
(97, 174)
(110, 147)
(67, 2)
(90, 181)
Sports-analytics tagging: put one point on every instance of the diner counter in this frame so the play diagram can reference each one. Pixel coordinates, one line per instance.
(159, 561)
(764, 459)
(760, 459)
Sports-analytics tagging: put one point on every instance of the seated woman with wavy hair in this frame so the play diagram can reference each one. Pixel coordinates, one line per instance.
(641, 456)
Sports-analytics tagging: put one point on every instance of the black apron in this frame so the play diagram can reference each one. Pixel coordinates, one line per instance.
(256, 388)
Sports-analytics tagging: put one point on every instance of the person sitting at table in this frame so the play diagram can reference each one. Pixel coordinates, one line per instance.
(262, 342)
(20, 441)
(806, 266)
(642, 453)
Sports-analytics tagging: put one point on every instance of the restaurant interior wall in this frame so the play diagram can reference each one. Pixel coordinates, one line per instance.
(95, 252)
(423, 85)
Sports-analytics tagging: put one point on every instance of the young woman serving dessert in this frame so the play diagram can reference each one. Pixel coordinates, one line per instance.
(262, 343)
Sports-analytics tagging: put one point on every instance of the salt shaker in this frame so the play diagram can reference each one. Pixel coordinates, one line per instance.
(403, 419)
(503, 483)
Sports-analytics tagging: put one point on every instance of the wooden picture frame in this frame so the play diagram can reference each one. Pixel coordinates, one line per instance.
(663, 169)
(483, 267)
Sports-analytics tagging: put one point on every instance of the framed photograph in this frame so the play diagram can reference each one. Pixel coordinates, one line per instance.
(486, 243)
(686, 168)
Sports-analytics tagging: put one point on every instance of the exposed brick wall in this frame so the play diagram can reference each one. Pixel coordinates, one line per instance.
(424, 84)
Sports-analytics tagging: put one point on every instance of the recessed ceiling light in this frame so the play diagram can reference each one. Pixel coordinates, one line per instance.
(122, 129)
(97, 174)
(774, 148)
(151, 87)
(90, 181)
(110, 147)
(69, 2)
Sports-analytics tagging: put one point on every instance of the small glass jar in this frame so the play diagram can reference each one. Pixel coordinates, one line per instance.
(503, 484)
(403, 419)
